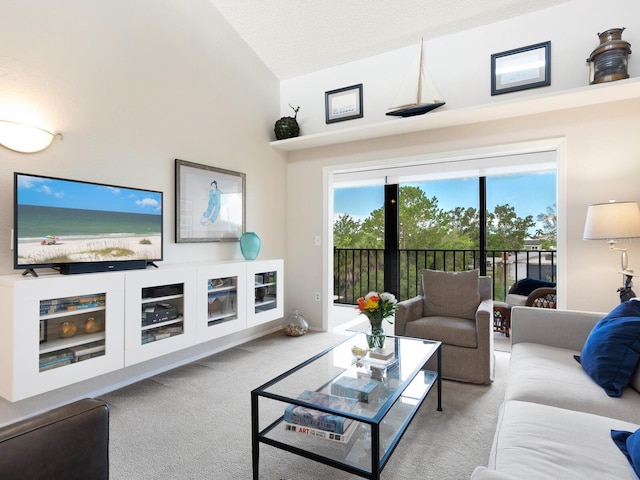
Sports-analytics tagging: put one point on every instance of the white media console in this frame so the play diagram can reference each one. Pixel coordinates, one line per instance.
(61, 329)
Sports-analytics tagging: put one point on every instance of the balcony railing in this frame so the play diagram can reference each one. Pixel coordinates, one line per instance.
(357, 271)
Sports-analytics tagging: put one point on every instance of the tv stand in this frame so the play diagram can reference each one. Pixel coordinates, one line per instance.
(126, 320)
(29, 271)
(152, 264)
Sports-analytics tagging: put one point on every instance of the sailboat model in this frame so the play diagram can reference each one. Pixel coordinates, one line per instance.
(420, 93)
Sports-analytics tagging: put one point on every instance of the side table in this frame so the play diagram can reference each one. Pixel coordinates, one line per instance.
(501, 317)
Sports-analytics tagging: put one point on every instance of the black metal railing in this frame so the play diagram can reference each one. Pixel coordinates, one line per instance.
(357, 271)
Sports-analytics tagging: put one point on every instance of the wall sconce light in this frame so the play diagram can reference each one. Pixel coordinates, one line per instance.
(24, 138)
(611, 222)
(608, 62)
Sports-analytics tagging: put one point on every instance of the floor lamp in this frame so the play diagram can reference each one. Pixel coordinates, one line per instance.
(612, 222)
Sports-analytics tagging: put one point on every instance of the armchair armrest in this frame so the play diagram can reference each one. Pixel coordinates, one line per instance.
(408, 311)
(556, 328)
(543, 297)
(484, 314)
(71, 441)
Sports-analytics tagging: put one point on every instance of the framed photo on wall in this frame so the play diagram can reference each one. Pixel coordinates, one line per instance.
(210, 203)
(343, 104)
(521, 68)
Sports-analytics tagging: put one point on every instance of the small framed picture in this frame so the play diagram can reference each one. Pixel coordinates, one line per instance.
(343, 104)
(521, 68)
(210, 203)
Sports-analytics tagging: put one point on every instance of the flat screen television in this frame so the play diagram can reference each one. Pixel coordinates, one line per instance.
(80, 227)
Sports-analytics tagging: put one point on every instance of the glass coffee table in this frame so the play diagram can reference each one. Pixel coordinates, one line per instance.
(345, 411)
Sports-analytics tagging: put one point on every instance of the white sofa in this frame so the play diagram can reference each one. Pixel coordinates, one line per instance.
(555, 421)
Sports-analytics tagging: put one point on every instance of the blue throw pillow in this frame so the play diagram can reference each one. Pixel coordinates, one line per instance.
(528, 285)
(611, 353)
(629, 445)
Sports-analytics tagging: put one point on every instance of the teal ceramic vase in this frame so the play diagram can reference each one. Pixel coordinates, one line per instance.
(249, 245)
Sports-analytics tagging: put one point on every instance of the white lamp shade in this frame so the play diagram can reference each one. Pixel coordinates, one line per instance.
(612, 221)
(23, 138)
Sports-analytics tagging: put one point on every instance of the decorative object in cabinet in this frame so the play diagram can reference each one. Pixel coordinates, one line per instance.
(266, 291)
(222, 300)
(264, 300)
(64, 336)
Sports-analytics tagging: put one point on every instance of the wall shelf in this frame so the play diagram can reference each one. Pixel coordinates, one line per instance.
(498, 110)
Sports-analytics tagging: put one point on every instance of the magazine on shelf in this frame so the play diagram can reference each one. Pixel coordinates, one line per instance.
(381, 354)
(316, 432)
(321, 420)
(364, 390)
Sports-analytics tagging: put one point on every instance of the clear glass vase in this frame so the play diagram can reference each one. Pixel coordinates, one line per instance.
(376, 338)
(295, 325)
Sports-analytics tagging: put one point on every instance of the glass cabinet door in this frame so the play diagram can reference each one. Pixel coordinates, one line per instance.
(266, 298)
(221, 300)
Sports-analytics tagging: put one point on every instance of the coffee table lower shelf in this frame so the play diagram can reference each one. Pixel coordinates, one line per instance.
(374, 437)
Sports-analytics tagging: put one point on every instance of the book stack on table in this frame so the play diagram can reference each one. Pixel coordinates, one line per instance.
(306, 421)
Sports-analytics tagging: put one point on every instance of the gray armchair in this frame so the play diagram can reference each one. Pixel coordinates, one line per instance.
(455, 308)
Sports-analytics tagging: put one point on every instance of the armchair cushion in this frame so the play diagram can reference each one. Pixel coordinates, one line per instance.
(451, 294)
(448, 330)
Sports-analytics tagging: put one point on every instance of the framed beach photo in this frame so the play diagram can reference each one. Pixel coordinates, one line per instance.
(521, 68)
(343, 104)
(210, 203)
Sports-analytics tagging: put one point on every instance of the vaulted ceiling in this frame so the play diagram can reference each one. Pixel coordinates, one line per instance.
(294, 37)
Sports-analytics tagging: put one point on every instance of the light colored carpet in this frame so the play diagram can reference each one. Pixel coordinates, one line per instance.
(194, 422)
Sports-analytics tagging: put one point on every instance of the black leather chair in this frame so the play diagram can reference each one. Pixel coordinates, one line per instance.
(69, 442)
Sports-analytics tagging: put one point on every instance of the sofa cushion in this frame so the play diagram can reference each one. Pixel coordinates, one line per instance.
(611, 353)
(549, 375)
(451, 294)
(537, 442)
(629, 445)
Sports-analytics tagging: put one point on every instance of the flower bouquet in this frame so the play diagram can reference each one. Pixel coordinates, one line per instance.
(377, 307)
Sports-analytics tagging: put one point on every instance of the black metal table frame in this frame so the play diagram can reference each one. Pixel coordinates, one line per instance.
(377, 466)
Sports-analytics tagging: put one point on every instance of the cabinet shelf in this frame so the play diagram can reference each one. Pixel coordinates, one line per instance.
(70, 313)
(162, 324)
(217, 319)
(230, 288)
(62, 343)
(161, 299)
(496, 110)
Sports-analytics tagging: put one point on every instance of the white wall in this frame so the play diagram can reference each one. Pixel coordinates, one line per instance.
(133, 85)
(601, 145)
(460, 64)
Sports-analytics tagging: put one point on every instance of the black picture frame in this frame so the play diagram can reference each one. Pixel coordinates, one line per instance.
(201, 216)
(521, 68)
(343, 104)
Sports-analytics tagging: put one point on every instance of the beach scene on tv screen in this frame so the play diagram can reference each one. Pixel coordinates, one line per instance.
(63, 221)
